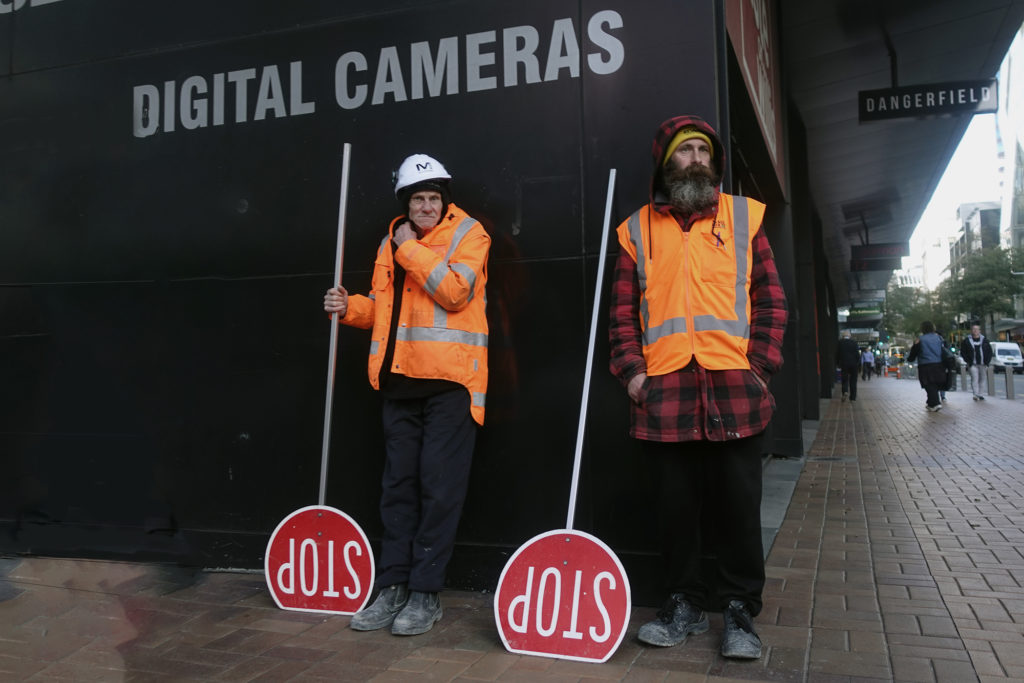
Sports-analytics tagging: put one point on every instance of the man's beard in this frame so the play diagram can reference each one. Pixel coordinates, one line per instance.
(690, 189)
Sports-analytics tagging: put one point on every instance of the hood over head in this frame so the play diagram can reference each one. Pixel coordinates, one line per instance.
(665, 135)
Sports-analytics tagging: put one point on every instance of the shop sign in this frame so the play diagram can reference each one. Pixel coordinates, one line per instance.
(866, 251)
(958, 97)
(893, 263)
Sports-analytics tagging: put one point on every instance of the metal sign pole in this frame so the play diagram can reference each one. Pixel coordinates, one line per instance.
(590, 353)
(332, 360)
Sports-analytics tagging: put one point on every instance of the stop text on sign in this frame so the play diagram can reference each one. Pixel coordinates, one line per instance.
(563, 594)
(550, 583)
(319, 560)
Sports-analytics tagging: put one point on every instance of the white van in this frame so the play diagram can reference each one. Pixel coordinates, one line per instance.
(1007, 355)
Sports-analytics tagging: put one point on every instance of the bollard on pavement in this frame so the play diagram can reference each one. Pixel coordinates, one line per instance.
(990, 372)
(1008, 373)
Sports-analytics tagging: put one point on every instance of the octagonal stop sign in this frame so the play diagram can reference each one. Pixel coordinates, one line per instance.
(319, 560)
(563, 594)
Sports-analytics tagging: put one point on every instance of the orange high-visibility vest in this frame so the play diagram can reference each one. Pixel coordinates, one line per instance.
(694, 286)
(442, 326)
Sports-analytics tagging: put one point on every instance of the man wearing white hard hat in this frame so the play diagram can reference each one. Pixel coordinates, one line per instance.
(428, 358)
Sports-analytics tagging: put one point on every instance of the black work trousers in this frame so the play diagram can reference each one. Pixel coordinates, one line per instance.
(849, 377)
(429, 449)
(709, 505)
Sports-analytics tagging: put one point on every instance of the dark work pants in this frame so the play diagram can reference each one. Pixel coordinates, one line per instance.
(849, 376)
(711, 485)
(429, 448)
(932, 377)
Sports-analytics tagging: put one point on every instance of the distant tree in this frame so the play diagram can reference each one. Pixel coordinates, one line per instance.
(983, 289)
(985, 286)
(906, 308)
(945, 308)
(898, 302)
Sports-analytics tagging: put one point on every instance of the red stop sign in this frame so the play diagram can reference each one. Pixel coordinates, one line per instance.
(563, 594)
(318, 560)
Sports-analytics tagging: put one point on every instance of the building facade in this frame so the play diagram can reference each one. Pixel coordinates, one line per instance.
(172, 175)
(1011, 127)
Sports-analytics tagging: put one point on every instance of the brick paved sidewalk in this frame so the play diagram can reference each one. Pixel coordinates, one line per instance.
(899, 559)
(901, 547)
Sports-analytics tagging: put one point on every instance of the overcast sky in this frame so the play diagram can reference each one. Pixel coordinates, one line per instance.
(972, 176)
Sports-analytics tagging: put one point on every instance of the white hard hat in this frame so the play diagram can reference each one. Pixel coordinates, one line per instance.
(419, 168)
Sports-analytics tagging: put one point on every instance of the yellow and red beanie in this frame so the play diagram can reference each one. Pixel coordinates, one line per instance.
(684, 134)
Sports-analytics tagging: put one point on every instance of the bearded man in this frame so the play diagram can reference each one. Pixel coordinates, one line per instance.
(696, 326)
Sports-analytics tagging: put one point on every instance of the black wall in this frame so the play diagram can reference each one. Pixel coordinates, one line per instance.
(162, 343)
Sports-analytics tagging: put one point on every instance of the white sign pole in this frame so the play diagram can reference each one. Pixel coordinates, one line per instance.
(575, 573)
(590, 353)
(318, 544)
(332, 360)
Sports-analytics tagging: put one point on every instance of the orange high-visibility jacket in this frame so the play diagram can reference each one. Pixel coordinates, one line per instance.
(695, 286)
(442, 326)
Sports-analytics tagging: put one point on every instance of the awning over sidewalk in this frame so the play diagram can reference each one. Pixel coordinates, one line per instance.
(1012, 327)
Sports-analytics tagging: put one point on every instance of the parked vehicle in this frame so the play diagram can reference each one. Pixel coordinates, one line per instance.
(1007, 355)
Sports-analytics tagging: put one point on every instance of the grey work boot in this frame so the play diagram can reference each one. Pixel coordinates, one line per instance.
(381, 613)
(419, 615)
(740, 641)
(676, 620)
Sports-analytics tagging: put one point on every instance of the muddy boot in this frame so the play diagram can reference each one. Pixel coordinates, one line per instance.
(381, 613)
(419, 615)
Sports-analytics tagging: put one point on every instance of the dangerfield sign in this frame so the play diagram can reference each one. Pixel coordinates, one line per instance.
(959, 97)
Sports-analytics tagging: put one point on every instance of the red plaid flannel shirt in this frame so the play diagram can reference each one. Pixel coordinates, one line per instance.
(694, 403)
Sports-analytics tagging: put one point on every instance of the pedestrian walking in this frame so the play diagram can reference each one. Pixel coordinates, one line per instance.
(848, 360)
(867, 362)
(977, 353)
(929, 351)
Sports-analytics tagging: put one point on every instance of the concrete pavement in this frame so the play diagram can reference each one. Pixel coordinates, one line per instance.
(898, 558)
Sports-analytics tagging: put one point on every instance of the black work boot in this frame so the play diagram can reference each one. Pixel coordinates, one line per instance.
(676, 620)
(381, 613)
(740, 641)
(419, 615)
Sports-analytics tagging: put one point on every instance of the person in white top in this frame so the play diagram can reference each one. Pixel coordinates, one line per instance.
(977, 353)
(867, 364)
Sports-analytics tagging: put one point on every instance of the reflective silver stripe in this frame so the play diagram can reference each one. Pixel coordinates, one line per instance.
(670, 326)
(435, 277)
(438, 273)
(741, 235)
(479, 399)
(709, 323)
(460, 232)
(440, 316)
(466, 272)
(435, 334)
(740, 327)
(375, 344)
(637, 238)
